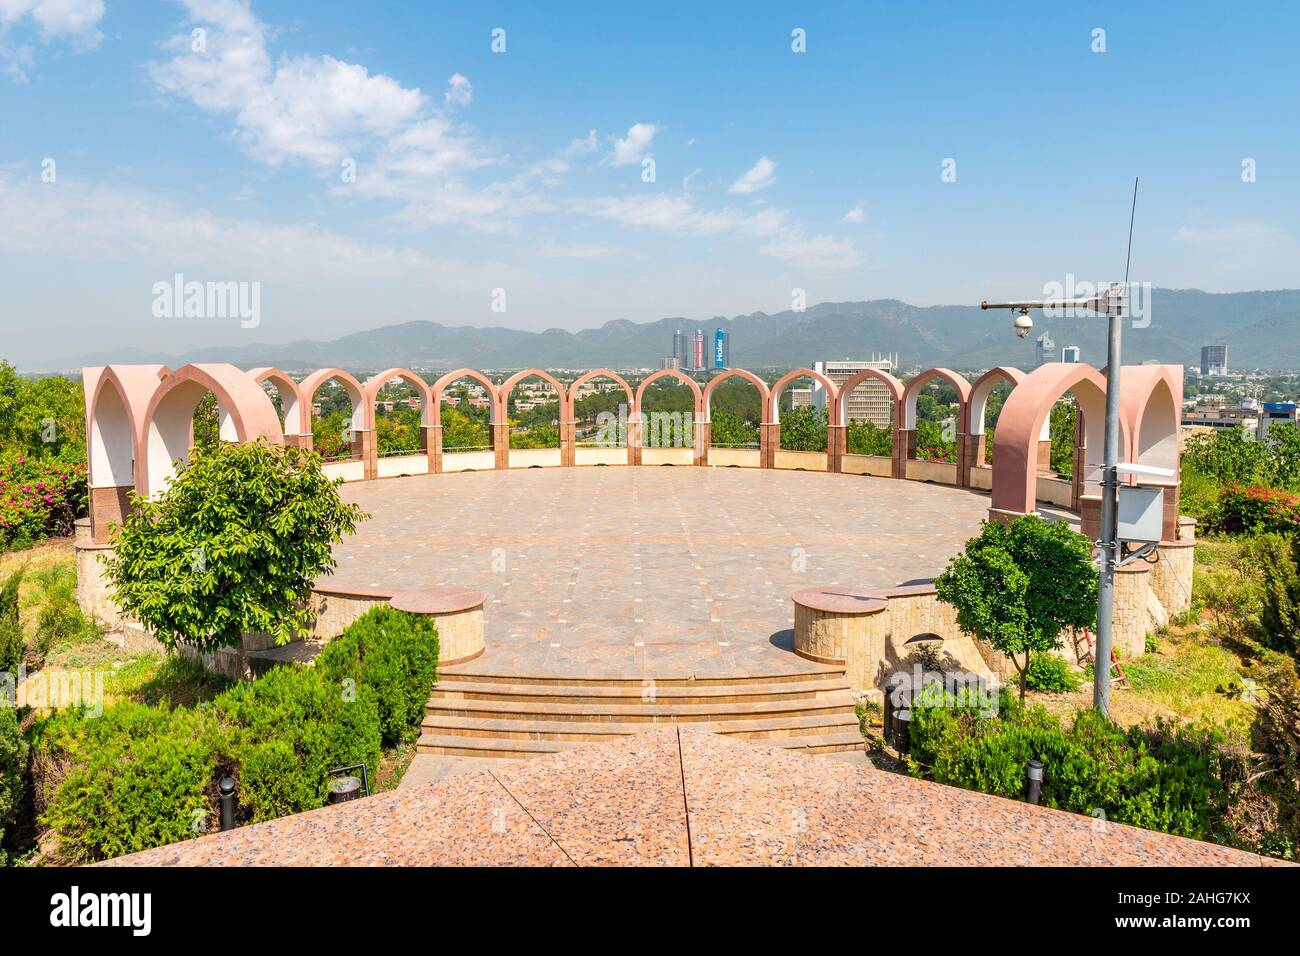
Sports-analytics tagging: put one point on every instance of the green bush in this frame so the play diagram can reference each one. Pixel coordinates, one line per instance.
(138, 777)
(1050, 673)
(1277, 559)
(232, 545)
(1163, 778)
(1256, 509)
(13, 762)
(396, 655)
(287, 730)
(11, 631)
(60, 620)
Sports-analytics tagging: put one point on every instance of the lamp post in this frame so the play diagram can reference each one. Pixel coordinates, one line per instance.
(1111, 304)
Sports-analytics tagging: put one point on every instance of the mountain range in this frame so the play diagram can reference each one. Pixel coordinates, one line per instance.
(1262, 330)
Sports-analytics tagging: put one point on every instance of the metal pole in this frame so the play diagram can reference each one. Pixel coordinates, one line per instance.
(1109, 543)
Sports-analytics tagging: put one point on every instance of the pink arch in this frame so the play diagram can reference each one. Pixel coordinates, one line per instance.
(914, 389)
(833, 416)
(979, 394)
(509, 384)
(668, 373)
(1151, 397)
(571, 399)
(748, 376)
(849, 384)
(290, 397)
(307, 388)
(435, 392)
(246, 410)
(1021, 425)
(370, 390)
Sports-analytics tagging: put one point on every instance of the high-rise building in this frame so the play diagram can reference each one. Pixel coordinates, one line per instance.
(1214, 360)
(681, 349)
(870, 400)
(697, 363)
(1275, 413)
(800, 397)
(721, 349)
(1072, 354)
(1045, 350)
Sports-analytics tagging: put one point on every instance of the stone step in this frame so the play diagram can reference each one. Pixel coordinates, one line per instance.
(456, 675)
(589, 731)
(670, 694)
(618, 711)
(514, 749)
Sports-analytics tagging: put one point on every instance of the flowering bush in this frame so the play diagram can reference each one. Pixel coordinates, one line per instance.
(1256, 510)
(39, 497)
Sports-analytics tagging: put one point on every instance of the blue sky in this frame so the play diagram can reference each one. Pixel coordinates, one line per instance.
(523, 170)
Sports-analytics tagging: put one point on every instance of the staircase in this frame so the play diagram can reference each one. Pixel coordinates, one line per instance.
(484, 715)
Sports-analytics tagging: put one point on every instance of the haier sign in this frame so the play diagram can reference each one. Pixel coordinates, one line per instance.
(719, 349)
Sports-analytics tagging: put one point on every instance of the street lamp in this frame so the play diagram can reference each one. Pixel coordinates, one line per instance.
(1111, 303)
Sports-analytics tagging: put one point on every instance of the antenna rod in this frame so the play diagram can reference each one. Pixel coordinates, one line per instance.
(1131, 215)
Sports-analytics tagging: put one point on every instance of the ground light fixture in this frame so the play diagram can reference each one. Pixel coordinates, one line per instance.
(1112, 302)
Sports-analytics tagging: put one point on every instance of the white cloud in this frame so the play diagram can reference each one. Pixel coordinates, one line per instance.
(679, 214)
(856, 215)
(460, 92)
(75, 20)
(632, 147)
(577, 250)
(820, 253)
(316, 109)
(760, 176)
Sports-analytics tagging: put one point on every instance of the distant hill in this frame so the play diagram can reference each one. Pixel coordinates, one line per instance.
(1262, 330)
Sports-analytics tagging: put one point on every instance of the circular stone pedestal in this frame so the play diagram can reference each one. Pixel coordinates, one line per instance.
(458, 614)
(829, 620)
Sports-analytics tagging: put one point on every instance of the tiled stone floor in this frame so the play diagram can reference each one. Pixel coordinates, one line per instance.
(675, 797)
(650, 571)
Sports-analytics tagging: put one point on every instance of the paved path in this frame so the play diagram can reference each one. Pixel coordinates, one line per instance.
(664, 572)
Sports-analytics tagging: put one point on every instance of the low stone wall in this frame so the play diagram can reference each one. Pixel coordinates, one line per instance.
(535, 458)
(981, 477)
(668, 456)
(877, 465)
(600, 456)
(1055, 491)
(940, 472)
(350, 470)
(737, 457)
(807, 460)
(468, 460)
(398, 465)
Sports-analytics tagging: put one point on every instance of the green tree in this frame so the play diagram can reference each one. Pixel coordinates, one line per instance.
(232, 546)
(729, 430)
(803, 428)
(868, 438)
(1062, 432)
(1277, 561)
(1019, 586)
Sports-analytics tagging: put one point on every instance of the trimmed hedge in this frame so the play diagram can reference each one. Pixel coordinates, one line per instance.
(395, 654)
(1163, 778)
(140, 776)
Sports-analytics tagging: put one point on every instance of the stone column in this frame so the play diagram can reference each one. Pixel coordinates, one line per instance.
(836, 447)
(904, 447)
(634, 438)
(970, 448)
(363, 449)
(769, 440)
(704, 435)
(431, 440)
(1044, 457)
(1171, 576)
(568, 443)
(1090, 516)
(500, 444)
(1131, 619)
(108, 505)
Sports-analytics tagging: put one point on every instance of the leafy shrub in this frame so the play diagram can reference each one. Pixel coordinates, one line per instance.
(1162, 778)
(1256, 510)
(138, 777)
(39, 497)
(396, 655)
(60, 620)
(1051, 673)
(1277, 559)
(13, 760)
(288, 729)
(232, 545)
(11, 631)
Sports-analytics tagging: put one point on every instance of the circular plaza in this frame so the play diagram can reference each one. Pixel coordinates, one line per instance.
(622, 572)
